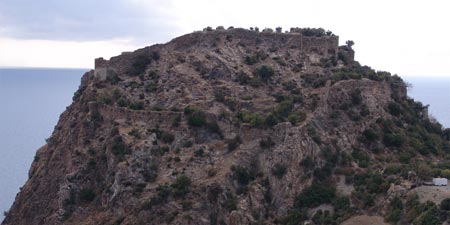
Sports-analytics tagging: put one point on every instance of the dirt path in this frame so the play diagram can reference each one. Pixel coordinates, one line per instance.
(432, 193)
(365, 220)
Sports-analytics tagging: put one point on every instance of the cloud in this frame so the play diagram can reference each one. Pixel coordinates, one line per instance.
(86, 20)
(404, 38)
(62, 54)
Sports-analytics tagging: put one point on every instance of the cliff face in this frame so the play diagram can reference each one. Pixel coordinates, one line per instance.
(231, 127)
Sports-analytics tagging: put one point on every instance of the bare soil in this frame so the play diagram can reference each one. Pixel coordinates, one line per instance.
(366, 220)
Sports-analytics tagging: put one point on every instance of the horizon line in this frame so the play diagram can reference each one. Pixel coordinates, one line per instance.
(45, 68)
(85, 68)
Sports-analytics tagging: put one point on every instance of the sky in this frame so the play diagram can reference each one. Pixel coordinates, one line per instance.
(408, 38)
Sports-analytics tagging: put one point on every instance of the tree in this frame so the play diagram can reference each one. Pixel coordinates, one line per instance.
(446, 134)
(349, 43)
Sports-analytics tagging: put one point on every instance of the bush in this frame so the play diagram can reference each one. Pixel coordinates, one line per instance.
(87, 195)
(284, 108)
(394, 109)
(279, 170)
(254, 119)
(151, 87)
(371, 183)
(445, 204)
(266, 143)
(356, 97)
(250, 60)
(135, 133)
(151, 172)
(265, 73)
(234, 143)
(139, 64)
(243, 78)
(167, 137)
(122, 102)
(393, 140)
(297, 117)
(163, 193)
(219, 95)
(197, 119)
(362, 157)
(199, 152)
(181, 186)
(155, 55)
(307, 163)
(118, 147)
(315, 195)
(242, 175)
(370, 135)
(396, 207)
(295, 217)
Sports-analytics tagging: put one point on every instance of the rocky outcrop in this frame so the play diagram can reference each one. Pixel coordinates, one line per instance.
(225, 127)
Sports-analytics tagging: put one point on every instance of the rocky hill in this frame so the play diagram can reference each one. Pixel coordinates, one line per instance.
(237, 127)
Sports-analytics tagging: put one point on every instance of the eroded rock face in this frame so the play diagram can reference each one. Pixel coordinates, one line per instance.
(219, 127)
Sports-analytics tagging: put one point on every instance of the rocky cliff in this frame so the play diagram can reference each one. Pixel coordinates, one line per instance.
(235, 127)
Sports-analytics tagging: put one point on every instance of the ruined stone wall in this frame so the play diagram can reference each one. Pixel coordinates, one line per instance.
(322, 45)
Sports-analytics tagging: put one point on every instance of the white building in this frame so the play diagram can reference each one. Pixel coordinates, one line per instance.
(440, 181)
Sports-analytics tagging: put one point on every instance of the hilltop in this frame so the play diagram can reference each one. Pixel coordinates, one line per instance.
(237, 127)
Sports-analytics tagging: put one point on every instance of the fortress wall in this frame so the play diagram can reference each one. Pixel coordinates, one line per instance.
(150, 117)
(324, 45)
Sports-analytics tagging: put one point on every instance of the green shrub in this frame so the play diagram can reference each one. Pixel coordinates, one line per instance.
(370, 135)
(254, 119)
(271, 120)
(135, 133)
(164, 192)
(265, 73)
(295, 217)
(297, 117)
(87, 195)
(445, 204)
(394, 109)
(356, 96)
(266, 143)
(122, 102)
(167, 137)
(362, 157)
(139, 64)
(150, 172)
(307, 163)
(250, 60)
(151, 87)
(315, 195)
(393, 140)
(396, 207)
(323, 173)
(155, 55)
(230, 203)
(197, 119)
(279, 170)
(181, 186)
(118, 147)
(371, 182)
(243, 78)
(219, 95)
(199, 152)
(284, 108)
(232, 144)
(242, 175)
(341, 206)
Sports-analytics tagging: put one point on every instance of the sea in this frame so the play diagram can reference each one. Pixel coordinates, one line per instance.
(32, 99)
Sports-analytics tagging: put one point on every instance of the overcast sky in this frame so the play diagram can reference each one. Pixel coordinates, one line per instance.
(408, 38)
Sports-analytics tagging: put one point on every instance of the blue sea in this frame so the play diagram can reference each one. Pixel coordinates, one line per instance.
(31, 101)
